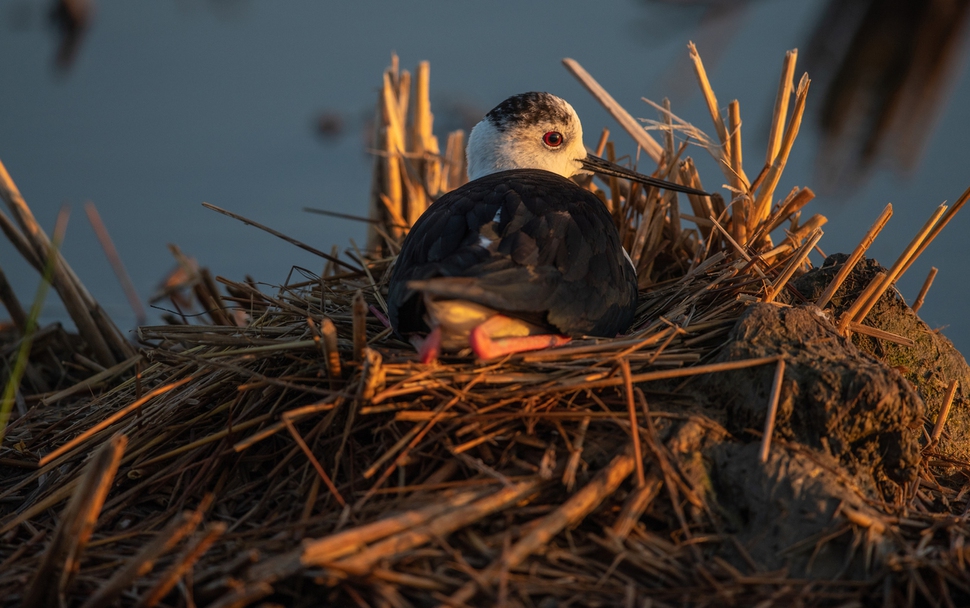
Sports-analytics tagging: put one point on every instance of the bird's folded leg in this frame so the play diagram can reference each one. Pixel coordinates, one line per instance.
(487, 347)
(428, 347)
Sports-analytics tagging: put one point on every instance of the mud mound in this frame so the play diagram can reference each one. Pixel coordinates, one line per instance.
(834, 398)
(930, 365)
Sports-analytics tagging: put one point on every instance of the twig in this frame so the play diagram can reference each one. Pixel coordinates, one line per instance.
(280, 235)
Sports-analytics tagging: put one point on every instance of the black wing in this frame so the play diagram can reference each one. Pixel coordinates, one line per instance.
(528, 243)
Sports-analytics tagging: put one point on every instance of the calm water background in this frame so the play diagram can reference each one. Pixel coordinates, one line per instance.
(171, 103)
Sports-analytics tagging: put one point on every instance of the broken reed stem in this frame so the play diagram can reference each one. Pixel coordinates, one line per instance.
(772, 411)
(634, 426)
(329, 332)
(365, 559)
(737, 166)
(793, 265)
(666, 374)
(924, 289)
(142, 563)
(571, 512)
(9, 300)
(938, 227)
(63, 280)
(882, 334)
(856, 255)
(115, 260)
(359, 325)
(183, 564)
(901, 263)
(313, 461)
(70, 445)
(792, 204)
(780, 112)
(331, 548)
(712, 108)
(853, 311)
(393, 146)
(61, 561)
(649, 145)
(773, 174)
(280, 235)
(944, 412)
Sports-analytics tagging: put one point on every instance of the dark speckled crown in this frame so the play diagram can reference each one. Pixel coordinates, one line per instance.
(528, 109)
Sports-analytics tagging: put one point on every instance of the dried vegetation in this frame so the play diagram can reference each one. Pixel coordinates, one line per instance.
(757, 439)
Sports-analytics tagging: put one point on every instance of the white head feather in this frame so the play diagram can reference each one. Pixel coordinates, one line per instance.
(511, 136)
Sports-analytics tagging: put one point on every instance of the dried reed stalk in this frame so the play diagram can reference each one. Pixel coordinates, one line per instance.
(772, 411)
(938, 227)
(921, 296)
(855, 256)
(719, 128)
(442, 465)
(902, 262)
(9, 300)
(629, 124)
(64, 281)
(115, 260)
(944, 412)
(773, 174)
(61, 560)
(780, 112)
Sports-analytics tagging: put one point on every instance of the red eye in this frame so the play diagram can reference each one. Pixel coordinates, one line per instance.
(553, 139)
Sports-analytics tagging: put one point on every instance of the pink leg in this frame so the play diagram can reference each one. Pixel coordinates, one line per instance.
(486, 347)
(429, 347)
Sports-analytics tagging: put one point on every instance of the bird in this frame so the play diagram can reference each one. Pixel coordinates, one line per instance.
(520, 257)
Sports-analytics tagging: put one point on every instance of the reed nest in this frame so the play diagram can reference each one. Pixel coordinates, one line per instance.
(769, 433)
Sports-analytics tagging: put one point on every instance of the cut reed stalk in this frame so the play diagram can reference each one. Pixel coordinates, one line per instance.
(855, 256)
(853, 311)
(938, 227)
(61, 560)
(62, 279)
(793, 265)
(773, 174)
(780, 112)
(629, 124)
(921, 297)
(944, 412)
(772, 411)
(115, 260)
(720, 129)
(902, 262)
(9, 300)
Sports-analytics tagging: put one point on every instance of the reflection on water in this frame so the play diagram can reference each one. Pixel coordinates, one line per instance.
(264, 109)
(885, 67)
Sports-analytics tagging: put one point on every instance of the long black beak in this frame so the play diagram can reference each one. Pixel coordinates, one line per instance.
(605, 167)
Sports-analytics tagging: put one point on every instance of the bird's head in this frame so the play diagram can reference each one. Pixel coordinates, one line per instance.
(527, 131)
(541, 131)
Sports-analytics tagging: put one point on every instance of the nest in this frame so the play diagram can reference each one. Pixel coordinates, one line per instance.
(756, 438)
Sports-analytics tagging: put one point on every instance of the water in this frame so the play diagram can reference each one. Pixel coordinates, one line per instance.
(169, 104)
